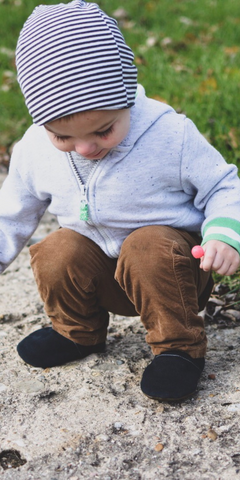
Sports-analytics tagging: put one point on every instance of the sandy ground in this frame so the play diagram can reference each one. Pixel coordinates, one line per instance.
(90, 420)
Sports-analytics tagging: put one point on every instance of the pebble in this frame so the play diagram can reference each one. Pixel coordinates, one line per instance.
(211, 376)
(3, 387)
(197, 451)
(118, 425)
(235, 407)
(212, 434)
(3, 334)
(29, 386)
(119, 387)
(135, 433)
(102, 438)
(159, 447)
(20, 443)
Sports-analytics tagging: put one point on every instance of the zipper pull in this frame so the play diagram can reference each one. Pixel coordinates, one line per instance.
(83, 205)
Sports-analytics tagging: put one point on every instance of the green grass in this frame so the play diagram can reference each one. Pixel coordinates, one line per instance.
(187, 53)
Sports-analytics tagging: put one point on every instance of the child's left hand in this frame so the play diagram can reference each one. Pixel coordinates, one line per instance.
(220, 257)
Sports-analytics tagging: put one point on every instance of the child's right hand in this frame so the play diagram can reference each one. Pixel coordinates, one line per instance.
(220, 257)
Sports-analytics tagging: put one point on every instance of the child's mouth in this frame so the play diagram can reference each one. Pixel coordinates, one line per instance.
(96, 155)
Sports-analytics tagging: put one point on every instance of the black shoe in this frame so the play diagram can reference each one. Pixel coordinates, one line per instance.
(172, 376)
(47, 348)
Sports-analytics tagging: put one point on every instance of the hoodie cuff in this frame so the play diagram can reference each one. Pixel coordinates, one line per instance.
(226, 230)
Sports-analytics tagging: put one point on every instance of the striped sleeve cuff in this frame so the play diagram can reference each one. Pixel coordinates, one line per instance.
(224, 229)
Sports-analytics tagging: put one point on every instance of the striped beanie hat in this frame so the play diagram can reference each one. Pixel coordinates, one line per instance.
(72, 58)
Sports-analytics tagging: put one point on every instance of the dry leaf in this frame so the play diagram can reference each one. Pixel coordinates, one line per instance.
(187, 21)
(151, 41)
(208, 85)
(234, 137)
(166, 41)
(232, 50)
(120, 13)
(234, 313)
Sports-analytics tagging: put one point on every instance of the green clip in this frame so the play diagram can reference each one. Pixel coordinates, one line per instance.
(84, 212)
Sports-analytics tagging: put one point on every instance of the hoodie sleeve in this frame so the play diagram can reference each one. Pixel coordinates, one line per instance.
(215, 186)
(20, 213)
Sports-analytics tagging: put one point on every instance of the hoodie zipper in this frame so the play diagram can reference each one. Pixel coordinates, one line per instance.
(84, 210)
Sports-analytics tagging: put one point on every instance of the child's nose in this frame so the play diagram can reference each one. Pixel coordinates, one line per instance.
(85, 148)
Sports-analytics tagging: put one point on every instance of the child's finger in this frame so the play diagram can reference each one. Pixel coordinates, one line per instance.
(208, 260)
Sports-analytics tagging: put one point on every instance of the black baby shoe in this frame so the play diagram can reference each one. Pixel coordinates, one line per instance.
(47, 348)
(172, 376)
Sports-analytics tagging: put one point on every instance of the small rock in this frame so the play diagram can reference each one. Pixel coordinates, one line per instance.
(102, 438)
(160, 409)
(212, 434)
(235, 407)
(118, 425)
(120, 362)
(20, 443)
(159, 447)
(119, 387)
(29, 386)
(197, 451)
(211, 376)
(3, 387)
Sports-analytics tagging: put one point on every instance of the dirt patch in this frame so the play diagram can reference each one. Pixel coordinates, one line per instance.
(90, 420)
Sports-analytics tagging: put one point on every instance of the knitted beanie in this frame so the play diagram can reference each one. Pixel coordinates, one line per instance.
(72, 58)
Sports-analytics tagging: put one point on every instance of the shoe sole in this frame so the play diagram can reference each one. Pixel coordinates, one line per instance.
(172, 400)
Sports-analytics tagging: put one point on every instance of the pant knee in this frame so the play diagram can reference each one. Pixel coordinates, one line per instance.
(56, 254)
(147, 244)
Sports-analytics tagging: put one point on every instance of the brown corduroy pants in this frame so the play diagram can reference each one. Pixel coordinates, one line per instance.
(155, 277)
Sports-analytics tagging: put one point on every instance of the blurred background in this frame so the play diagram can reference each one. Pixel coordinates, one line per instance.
(187, 53)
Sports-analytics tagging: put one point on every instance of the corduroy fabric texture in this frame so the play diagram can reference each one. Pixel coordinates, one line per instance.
(71, 58)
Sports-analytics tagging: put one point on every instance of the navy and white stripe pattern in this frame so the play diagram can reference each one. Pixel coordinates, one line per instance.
(71, 58)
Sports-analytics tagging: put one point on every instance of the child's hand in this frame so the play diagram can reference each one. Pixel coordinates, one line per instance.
(220, 257)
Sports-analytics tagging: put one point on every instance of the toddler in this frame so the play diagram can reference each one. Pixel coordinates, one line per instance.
(134, 187)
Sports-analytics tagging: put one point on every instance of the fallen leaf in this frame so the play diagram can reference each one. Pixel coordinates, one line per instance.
(232, 50)
(186, 21)
(120, 13)
(166, 41)
(208, 85)
(128, 24)
(139, 60)
(234, 137)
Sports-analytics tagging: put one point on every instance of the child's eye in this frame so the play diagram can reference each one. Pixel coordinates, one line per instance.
(105, 133)
(60, 139)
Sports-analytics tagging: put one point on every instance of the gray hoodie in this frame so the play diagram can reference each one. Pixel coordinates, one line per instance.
(163, 173)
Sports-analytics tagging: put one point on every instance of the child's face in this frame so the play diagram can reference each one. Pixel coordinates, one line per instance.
(92, 134)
